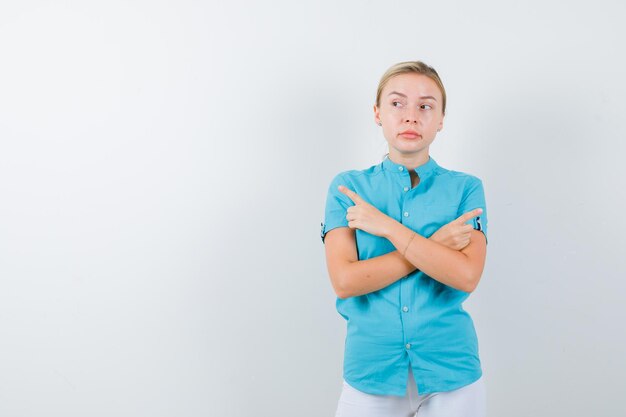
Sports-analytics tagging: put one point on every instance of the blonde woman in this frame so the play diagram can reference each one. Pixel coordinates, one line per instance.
(405, 245)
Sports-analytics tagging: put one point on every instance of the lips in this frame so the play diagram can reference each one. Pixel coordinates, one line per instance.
(410, 134)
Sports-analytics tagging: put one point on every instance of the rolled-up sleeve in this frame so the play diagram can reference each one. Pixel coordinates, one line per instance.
(474, 197)
(337, 205)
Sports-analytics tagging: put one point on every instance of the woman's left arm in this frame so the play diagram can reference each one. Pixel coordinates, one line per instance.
(458, 269)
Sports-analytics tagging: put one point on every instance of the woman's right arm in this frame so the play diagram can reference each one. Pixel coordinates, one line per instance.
(351, 277)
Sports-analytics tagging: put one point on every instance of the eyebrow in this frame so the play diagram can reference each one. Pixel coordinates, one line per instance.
(404, 95)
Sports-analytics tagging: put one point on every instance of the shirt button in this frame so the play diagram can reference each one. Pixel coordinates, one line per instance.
(400, 168)
(406, 188)
(405, 309)
(408, 346)
(406, 214)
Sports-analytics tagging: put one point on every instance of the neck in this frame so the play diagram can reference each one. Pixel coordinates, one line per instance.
(409, 160)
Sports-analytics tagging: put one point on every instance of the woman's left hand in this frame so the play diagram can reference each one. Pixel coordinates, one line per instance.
(366, 217)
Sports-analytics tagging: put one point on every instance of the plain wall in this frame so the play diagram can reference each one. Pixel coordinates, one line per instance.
(163, 174)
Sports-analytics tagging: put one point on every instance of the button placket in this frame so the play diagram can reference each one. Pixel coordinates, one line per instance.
(406, 179)
(406, 285)
(405, 213)
(405, 319)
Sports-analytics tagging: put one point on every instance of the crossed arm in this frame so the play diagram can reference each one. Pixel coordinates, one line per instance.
(351, 277)
(460, 269)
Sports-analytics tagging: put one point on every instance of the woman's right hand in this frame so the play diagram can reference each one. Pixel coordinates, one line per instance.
(456, 234)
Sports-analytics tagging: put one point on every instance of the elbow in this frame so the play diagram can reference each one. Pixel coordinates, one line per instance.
(469, 288)
(471, 283)
(342, 295)
(471, 276)
(340, 281)
(339, 287)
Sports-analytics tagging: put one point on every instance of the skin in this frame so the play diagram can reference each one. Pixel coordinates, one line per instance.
(454, 255)
(398, 113)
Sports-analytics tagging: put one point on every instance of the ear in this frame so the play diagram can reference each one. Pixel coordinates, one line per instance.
(376, 115)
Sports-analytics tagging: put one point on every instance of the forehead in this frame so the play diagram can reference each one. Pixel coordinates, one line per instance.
(412, 85)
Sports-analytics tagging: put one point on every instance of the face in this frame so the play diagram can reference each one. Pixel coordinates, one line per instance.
(410, 102)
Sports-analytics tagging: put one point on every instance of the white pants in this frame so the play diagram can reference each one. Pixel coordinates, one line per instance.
(467, 401)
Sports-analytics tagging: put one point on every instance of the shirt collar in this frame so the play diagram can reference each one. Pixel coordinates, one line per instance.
(422, 170)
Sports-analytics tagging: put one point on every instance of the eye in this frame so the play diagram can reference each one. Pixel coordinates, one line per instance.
(428, 106)
(393, 103)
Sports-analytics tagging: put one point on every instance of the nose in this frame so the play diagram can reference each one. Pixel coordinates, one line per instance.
(411, 115)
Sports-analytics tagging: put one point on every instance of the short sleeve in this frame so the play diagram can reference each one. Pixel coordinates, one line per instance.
(473, 198)
(337, 204)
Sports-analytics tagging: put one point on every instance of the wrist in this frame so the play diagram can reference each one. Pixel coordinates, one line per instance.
(392, 228)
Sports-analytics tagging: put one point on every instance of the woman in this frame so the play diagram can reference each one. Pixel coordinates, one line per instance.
(405, 245)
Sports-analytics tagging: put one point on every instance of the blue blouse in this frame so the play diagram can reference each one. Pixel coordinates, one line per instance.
(417, 321)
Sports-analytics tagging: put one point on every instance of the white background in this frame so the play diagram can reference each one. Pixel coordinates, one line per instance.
(163, 172)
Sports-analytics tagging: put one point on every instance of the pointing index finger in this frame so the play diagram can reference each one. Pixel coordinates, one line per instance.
(470, 214)
(351, 194)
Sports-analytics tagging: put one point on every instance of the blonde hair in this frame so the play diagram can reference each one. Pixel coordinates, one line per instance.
(417, 67)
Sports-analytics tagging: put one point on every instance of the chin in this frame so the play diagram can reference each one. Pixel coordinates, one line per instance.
(411, 149)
